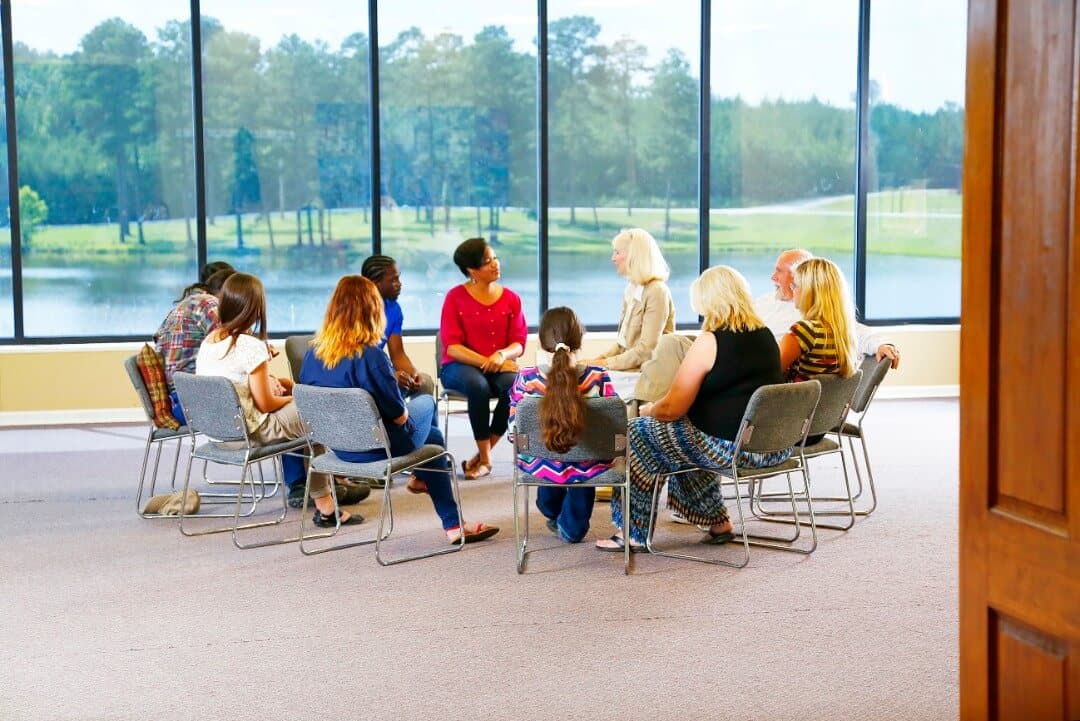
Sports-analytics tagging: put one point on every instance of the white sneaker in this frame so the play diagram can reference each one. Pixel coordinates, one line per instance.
(677, 517)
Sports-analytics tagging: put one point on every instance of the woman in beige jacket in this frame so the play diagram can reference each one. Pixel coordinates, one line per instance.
(647, 309)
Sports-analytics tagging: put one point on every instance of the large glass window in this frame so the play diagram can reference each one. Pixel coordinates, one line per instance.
(458, 144)
(623, 140)
(916, 152)
(287, 144)
(106, 187)
(783, 76)
(7, 309)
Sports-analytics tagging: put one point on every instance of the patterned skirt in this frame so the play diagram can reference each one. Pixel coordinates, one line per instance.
(660, 446)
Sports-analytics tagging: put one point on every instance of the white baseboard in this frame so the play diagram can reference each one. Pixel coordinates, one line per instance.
(942, 391)
(71, 418)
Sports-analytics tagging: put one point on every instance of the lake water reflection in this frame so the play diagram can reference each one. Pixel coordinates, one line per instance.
(87, 300)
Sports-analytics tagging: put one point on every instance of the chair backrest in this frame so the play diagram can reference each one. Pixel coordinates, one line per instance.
(778, 416)
(345, 419)
(873, 373)
(140, 386)
(604, 435)
(836, 395)
(211, 406)
(295, 348)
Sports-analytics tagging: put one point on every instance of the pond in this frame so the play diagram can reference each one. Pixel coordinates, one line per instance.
(88, 299)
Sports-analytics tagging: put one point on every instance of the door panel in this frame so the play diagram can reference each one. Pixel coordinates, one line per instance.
(1020, 365)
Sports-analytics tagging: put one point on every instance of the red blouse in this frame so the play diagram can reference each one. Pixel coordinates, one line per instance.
(481, 328)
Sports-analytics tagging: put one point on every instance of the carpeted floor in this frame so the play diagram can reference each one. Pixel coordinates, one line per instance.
(104, 615)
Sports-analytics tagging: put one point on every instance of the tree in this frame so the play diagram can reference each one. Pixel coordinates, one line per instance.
(671, 131)
(112, 103)
(32, 212)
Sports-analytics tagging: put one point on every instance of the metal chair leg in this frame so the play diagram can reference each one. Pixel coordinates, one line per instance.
(653, 512)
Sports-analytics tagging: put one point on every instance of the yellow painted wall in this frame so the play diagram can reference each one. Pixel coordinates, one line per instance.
(81, 383)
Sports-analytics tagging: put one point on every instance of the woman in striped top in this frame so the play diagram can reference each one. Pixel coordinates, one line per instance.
(823, 341)
(563, 384)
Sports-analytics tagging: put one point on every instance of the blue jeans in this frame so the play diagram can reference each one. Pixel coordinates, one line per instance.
(421, 428)
(570, 507)
(479, 388)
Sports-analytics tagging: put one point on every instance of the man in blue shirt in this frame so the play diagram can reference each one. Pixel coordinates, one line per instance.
(382, 270)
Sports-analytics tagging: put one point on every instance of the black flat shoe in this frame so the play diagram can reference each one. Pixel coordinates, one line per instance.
(713, 538)
(329, 521)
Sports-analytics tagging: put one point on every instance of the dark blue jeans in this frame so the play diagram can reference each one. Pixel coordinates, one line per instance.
(479, 388)
(421, 428)
(570, 507)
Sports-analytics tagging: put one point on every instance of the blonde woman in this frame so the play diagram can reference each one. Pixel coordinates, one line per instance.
(345, 354)
(824, 340)
(696, 421)
(647, 309)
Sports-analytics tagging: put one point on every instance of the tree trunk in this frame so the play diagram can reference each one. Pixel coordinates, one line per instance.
(595, 218)
(239, 232)
(667, 212)
(446, 207)
(479, 222)
(270, 229)
(122, 195)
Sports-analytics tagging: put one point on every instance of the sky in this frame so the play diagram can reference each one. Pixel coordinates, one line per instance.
(762, 49)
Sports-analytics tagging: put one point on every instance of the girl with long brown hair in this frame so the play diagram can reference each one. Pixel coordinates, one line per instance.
(562, 384)
(238, 351)
(345, 354)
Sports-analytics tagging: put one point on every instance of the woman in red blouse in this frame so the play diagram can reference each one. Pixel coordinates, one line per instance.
(483, 333)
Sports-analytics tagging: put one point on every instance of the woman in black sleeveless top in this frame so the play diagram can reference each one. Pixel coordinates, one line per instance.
(696, 421)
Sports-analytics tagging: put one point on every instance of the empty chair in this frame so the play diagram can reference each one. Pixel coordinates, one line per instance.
(295, 348)
(604, 437)
(348, 419)
(212, 408)
(832, 409)
(777, 417)
(156, 437)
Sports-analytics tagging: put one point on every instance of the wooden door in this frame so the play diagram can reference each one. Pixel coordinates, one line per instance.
(1020, 365)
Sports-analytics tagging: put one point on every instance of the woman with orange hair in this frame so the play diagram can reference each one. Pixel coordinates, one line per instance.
(345, 354)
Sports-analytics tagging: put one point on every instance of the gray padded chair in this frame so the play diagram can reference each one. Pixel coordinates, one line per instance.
(777, 417)
(156, 437)
(836, 398)
(348, 419)
(212, 408)
(296, 346)
(604, 437)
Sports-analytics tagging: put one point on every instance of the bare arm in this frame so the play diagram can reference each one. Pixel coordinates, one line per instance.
(684, 389)
(789, 351)
(259, 383)
(404, 370)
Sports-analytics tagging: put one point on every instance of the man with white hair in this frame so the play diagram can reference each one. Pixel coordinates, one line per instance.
(778, 310)
(779, 313)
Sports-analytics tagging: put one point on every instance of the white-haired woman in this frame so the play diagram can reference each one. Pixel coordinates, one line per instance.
(647, 310)
(696, 421)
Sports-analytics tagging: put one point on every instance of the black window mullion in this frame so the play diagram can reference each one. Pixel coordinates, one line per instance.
(704, 136)
(197, 135)
(862, 152)
(13, 175)
(542, 152)
(373, 124)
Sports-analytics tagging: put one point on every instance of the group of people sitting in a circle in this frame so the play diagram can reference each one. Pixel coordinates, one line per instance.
(694, 391)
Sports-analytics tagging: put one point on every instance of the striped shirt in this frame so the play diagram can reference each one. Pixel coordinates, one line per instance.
(592, 383)
(818, 346)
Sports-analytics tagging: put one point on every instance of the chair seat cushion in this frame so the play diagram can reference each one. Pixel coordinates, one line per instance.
(329, 463)
(791, 464)
(850, 429)
(825, 445)
(233, 453)
(165, 434)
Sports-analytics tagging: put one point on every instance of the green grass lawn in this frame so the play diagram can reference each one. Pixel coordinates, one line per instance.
(908, 222)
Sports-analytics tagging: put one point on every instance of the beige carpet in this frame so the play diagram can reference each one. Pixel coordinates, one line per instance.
(106, 616)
